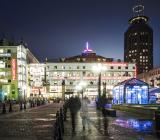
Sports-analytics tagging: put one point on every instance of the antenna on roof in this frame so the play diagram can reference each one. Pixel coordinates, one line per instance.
(138, 10)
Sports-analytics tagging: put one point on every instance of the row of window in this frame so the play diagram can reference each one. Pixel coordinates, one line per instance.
(78, 67)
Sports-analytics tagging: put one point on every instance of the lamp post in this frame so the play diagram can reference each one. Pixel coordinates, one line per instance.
(98, 69)
(63, 89)
(81, 87)
(99, 84)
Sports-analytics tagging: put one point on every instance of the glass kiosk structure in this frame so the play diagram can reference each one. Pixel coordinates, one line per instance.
(132, 91)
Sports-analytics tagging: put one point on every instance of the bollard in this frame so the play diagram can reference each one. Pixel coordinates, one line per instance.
(10, 106)
(25, 105)
(59, 126)
(56, 133)
(157, 122)
(30, 104)
(4, 108)
(64, 112)
(33, 104)
(21, 108)
(61, 120)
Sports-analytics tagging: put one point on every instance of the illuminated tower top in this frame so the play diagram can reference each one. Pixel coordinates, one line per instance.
(87, 49)
(138, 10)
(138, 14)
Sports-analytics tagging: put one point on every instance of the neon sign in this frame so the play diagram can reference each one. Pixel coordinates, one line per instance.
(14, 70)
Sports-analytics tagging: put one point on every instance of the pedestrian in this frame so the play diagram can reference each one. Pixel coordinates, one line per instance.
(74, 106)
(84, 113)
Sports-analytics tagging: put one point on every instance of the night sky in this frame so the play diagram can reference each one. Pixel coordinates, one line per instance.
(60, 28)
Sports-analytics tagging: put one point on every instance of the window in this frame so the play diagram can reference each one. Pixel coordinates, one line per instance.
(8, 51)
(84, 73)
(119, 67)
(91, 83)
(126, 67)
(55, 67)
(84, 67)
(71, 83)
(77, 67)
(133, 67)
(111, 67)
(63, 67)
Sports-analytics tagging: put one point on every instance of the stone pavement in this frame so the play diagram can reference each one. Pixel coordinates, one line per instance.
(37, 124)
(32, 124)
(105, 128)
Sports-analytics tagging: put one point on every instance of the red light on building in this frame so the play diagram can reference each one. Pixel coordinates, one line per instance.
(14, 68)
(122, 64)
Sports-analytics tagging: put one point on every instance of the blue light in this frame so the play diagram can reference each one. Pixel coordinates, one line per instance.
(137, 125)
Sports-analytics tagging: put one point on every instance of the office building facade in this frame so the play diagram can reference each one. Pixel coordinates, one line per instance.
(138, 41)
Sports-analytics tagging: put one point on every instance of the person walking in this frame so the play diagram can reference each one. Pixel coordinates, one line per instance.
(84, 113)
(74, 106)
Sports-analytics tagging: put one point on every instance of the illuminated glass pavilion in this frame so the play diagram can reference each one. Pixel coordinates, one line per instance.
(132, 91)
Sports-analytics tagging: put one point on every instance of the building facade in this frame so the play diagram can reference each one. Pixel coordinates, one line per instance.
(138, 41)
(51, 78)
(13, 70)
(152, 77)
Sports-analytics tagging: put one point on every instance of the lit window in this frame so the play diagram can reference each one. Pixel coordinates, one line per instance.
(1, 50)
(63, 67)
(119, 67)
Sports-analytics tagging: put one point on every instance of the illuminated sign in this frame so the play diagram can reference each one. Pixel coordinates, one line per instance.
(14, 68)
(116, 64)
(5, 54)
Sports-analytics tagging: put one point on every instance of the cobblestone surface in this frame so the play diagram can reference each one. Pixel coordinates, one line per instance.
(32, 124)
(37, 124)
(104, 128)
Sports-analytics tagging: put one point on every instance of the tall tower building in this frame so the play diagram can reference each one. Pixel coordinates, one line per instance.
(138, 41)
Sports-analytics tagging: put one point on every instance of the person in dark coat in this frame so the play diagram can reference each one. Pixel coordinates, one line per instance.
(74, 106)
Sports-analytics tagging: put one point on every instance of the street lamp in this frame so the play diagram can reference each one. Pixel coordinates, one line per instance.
(98, 69)
(81, 87)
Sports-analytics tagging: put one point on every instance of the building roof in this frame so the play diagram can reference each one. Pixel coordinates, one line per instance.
(87, 55)
(132, 81)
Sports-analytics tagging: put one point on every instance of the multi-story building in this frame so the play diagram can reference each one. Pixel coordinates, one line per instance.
(151, 77)
(138, 41)
(50, 77)
(13, 70)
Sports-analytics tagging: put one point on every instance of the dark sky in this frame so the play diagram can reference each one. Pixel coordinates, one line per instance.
(60, 28)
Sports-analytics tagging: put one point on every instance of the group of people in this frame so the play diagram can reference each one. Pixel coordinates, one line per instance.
(76, 104)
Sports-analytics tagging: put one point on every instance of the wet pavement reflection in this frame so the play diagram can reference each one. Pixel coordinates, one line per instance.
(124, 127)
(144, 126)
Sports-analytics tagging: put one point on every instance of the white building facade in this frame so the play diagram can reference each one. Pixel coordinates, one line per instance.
(46, 79)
